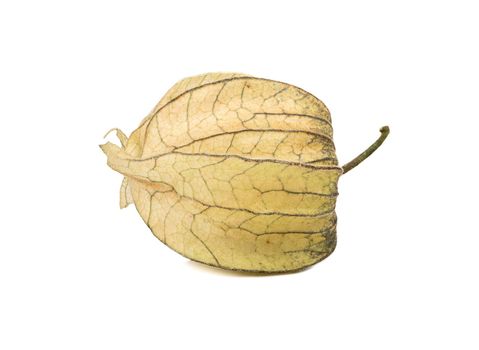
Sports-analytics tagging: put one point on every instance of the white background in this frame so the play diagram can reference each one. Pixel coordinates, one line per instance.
(78, 273)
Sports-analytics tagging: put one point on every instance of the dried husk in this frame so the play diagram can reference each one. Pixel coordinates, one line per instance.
(236, 172)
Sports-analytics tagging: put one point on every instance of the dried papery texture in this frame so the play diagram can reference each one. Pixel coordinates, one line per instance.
(234, 171)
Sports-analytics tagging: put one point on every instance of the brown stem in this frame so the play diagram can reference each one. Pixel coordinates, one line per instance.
(359, 159)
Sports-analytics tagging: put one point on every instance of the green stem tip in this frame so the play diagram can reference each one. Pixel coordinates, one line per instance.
(359, 159)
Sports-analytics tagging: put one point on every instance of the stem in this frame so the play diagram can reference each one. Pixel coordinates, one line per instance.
(359, 159)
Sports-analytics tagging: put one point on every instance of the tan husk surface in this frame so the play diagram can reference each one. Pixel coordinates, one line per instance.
(234, 171)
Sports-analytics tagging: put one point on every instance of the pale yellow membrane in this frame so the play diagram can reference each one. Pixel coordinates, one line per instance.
(236, 172)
